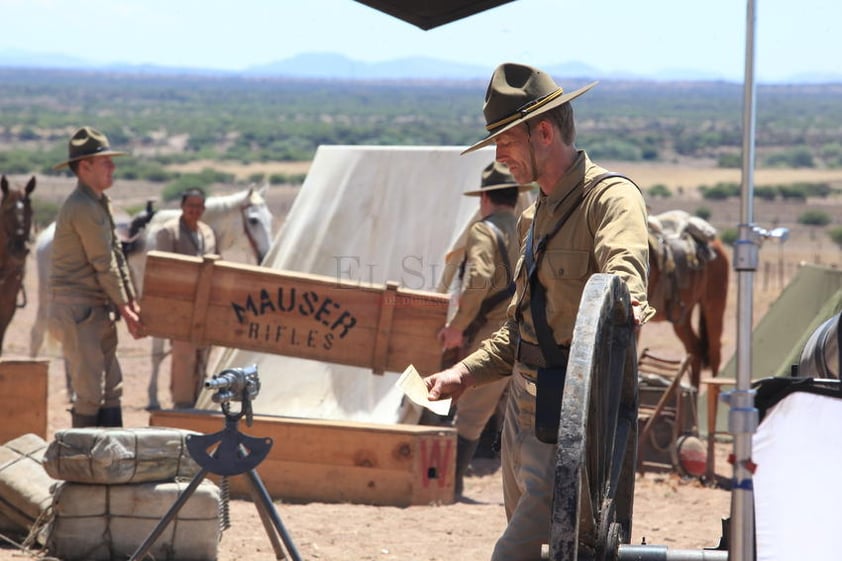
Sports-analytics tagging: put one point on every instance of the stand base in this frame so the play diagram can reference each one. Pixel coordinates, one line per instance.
(268, 514)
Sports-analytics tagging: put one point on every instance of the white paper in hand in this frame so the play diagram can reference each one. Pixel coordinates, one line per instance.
(413, 386)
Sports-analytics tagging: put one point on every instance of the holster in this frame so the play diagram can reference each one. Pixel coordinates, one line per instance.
(549, 389)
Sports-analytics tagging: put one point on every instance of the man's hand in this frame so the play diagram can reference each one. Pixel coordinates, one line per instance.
(450, 338)
(636, 311)
(131, 313)
(448, 383)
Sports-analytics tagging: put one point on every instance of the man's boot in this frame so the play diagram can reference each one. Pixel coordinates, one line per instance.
(110, 417)
(465, 450)
(81, 421)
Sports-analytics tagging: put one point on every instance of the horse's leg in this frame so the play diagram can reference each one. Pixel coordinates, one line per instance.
(7, 310)
(712, 309)
(36, 333)
(158, 355)
(692, 345)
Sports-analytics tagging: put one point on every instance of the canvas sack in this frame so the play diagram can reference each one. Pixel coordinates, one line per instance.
(24, 485)
(109, 522)
(119, 455)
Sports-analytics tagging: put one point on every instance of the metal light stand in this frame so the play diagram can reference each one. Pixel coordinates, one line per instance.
(233, 454)
(743, 416)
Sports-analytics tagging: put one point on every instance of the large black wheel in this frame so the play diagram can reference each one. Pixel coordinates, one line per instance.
(597, 444)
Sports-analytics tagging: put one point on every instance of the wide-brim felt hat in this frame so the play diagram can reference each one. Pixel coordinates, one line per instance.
(496, 176)
(517, 93)
(87, 142)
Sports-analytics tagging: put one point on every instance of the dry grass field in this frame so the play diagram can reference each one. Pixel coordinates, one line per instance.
(668, 510)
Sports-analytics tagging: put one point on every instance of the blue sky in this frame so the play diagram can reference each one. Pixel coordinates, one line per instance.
(638, 36)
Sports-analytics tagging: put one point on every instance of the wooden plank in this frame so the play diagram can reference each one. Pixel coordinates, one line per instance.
(384, 328)
(366, 463)
(200, 302)
(23, 385)
(293, 314)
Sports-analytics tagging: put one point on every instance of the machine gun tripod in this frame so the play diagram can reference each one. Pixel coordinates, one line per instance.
(233, 453)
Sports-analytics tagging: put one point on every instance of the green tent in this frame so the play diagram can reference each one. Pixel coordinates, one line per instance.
(813, 296)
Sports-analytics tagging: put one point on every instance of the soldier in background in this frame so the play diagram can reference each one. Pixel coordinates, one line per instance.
(187, 235)
(486, 289)
(90, 284)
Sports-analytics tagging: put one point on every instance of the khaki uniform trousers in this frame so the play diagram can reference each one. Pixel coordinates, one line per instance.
(88, 336)
(187, 374)
(528, 467)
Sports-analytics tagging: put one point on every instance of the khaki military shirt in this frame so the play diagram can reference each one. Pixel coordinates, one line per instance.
(485, 270)
(175, 237)
(88, 265)
(605, 234)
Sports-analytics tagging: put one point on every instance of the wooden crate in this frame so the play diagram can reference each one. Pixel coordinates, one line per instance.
(214, 302)
(23, 385)
(328, 461)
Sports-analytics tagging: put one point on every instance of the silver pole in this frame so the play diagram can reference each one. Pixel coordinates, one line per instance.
(742, 421)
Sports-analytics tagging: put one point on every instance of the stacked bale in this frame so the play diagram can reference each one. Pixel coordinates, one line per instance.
(25, 488)
(115, 485)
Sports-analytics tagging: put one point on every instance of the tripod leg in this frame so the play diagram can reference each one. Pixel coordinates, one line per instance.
(168, 517)
(269, 510)
(265, 517)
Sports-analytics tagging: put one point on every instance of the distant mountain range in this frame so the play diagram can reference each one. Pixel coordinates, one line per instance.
(333, 66)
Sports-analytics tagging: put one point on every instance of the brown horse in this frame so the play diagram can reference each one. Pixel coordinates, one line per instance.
(676, 294)
(15, 227)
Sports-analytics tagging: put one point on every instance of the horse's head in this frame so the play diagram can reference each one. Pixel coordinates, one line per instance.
(257, 222)
(16, 218)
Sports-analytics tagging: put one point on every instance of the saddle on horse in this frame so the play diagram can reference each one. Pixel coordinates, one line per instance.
(132, 235)
(680, 244)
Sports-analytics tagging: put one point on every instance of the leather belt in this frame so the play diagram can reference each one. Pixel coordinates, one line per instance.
(531, 355)
(81, 300)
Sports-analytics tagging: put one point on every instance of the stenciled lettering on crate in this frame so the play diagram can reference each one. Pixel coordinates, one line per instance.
(266, 311)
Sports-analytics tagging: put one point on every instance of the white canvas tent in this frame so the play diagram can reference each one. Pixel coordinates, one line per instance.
(367, 214)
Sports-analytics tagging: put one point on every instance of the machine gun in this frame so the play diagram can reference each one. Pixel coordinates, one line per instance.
(235, 384)
(230, 452)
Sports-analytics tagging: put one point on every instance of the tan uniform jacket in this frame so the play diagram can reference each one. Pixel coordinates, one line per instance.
(485, 272)
(175, 237)
(605, 234)
(88, 265)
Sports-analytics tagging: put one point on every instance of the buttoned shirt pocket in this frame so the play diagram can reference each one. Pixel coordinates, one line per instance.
(565, 264)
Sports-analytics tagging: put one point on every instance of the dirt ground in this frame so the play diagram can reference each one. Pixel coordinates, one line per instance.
(679, 513)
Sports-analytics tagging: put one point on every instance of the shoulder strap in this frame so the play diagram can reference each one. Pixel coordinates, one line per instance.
(492, 301)
(501, 247)
(532, 258)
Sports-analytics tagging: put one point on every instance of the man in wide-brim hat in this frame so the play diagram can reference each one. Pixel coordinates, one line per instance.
(90, 283)
(585, 221)
(485, 289)
(87, 142)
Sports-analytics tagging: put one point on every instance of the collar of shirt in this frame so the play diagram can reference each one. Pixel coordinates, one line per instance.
(499, 212)
(574, 176)
(90, 192)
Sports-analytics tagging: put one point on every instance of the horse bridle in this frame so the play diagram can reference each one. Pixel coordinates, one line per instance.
(252, 242)
(13, 265)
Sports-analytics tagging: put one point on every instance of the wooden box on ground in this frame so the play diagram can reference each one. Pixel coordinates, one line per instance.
(214, 302)
(330, 461)
(23, 385)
